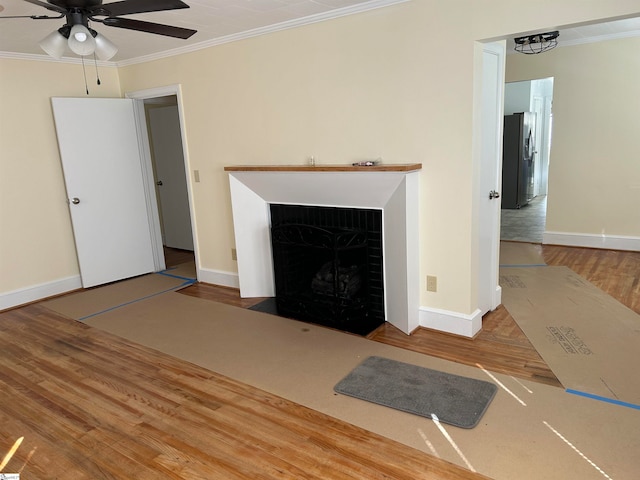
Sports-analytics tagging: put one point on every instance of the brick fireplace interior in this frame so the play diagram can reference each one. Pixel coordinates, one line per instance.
(328, 266)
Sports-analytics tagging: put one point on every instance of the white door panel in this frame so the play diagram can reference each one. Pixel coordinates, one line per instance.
(102, 169)
(490, 175)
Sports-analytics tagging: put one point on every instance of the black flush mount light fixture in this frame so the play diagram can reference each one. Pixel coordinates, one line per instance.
(537, 43)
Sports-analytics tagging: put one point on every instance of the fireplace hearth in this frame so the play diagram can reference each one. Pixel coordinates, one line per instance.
(328, 266)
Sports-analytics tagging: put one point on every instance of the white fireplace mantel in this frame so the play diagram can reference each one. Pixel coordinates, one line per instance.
(390, 188)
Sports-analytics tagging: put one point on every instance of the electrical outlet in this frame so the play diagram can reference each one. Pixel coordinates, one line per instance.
(234, 254)
(432, 283)
(196, 176)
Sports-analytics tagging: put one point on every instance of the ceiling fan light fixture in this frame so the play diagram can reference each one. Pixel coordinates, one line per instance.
(105, 49)
(54, 44)
(84, 41)
(81, 42)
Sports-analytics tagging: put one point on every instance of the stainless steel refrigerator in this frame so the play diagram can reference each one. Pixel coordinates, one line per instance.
(518, 159)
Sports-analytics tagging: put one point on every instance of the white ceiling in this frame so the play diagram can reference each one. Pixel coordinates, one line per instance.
(219, 21)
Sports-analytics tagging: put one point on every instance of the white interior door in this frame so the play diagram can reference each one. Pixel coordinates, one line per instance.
(100, 153)
(171, 179)
(489, 293)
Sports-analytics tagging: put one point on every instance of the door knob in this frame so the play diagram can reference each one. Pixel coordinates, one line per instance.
(75, 200)
(493, 194)
(159, 183)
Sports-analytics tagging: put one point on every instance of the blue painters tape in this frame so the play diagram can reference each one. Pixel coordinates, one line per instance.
(164, 272)
(187, 281)
(603, 399)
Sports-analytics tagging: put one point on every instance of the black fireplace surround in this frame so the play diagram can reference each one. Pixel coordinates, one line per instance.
(328, 266)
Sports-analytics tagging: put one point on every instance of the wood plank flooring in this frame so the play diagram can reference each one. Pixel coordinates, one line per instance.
(79, 403)
(614, 272)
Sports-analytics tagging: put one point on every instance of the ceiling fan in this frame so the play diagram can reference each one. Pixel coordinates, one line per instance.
(83, 40)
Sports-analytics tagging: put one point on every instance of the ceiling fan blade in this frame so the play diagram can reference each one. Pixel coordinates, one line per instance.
(157, 28)
(48, 6)
(128, 7)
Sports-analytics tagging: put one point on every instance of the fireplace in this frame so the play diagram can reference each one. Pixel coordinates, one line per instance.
(328, 265)
(390, 189)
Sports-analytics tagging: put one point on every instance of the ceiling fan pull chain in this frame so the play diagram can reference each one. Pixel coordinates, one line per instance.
(96, 64)
(84, 72)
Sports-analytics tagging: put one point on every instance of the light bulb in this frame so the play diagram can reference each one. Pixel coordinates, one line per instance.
(80, 40)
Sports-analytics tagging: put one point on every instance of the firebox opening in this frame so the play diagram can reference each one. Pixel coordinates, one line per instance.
(328, 266)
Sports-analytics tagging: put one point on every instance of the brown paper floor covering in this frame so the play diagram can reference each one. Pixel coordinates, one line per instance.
(519, 437)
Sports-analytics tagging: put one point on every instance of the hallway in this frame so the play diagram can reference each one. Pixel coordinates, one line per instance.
(525, 224)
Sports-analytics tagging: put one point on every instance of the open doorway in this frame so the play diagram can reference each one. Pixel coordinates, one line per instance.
(161, 134)
(170, 178)
(525, 221)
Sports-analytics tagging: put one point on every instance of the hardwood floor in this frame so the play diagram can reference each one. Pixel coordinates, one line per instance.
(175, 256)
(614, 272)
(79, 403)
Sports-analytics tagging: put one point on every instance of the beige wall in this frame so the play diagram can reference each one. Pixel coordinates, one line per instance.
(594, 174)
(340, 91)
(396, 82)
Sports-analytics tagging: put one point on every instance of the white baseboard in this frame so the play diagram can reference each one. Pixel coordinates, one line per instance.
(588, 240)
(443, 320)
(39, 292)
(216, 277)
(451, 322)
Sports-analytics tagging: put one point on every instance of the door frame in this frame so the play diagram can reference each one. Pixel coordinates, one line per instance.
(139, 96)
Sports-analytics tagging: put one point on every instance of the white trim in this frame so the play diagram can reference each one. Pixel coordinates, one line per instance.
(151, 201)
(217, 277)
(139, 96)
(39, 292)
(589, 240)
(155, 92)
(46, 58)
(599, 38)
(451, 322)
(488, 134)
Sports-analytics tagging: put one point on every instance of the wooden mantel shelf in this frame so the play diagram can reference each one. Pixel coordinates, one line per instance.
(390, 167)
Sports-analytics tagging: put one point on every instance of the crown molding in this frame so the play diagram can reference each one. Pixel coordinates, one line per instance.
(600, 38)
(47, 58)
(337, 13)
